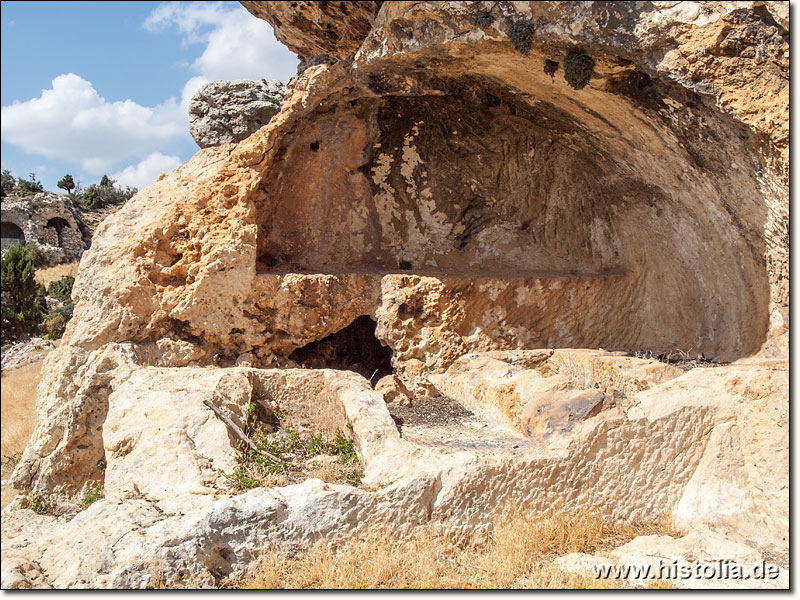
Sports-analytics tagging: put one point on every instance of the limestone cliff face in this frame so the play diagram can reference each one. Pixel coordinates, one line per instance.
(447, 177)
(476, 196)
(312, 29)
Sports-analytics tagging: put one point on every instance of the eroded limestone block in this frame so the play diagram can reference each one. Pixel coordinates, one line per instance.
(222, 112)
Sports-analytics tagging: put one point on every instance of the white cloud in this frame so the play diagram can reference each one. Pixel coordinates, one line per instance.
(190, 89)
(238, 45)
(71, 121)
(191, 18)
(144, 173)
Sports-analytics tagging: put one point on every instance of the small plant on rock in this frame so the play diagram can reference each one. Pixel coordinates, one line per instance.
(54, 326)
(37, 255)
(521, 35)
(28, 187)
(550, 68)
(284, 456)
(35, 503)
(12, 459)
(242, 482)
(92, 497)
(343, 447)
(315, 445)
(354, 477)
(578, 70)
(483, 18)
(61, 289)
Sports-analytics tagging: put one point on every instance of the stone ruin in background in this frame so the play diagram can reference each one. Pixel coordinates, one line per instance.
(47, 221)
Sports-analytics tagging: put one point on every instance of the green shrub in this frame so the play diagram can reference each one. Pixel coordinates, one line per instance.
(404, 265)
(578, 70)
(27, 187)
(105, 193)
(54, 325)
(343, 447)
(242, 482)
(93, 197)
(21, 295)
(55, 321)
(354, 477)
(7, 183)
(315, 445)
(521, 35)
(41, 300)
(61, 289)
(36, 254)
(92, 497)
(35, 503)
(285, 453)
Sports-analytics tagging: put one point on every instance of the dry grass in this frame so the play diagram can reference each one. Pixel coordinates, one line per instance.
(288, 453)
(519, 554)
(46, 275)
(332, 471)
(18, 414)
(19, 406)
(157, 579)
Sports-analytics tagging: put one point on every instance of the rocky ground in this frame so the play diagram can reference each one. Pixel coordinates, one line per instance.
(19, 355)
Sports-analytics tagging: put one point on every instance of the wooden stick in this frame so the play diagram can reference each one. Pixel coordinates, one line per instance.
(239, 432)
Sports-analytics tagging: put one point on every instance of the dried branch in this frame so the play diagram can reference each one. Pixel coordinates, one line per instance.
(227, 420)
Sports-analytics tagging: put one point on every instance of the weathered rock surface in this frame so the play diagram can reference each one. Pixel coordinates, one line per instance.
(394, 390)
(442, 187)
(167, 498)
(314, 28)
(545, 393)
(222, 112)
(701, 559)
(24, 353)
(597, 237)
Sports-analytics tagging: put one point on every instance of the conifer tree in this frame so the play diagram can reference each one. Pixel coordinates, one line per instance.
(21, 310)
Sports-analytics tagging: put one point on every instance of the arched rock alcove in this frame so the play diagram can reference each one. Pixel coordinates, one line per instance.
(628, 217)
(12, 234)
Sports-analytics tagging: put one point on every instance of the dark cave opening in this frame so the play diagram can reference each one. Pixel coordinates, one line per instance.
(354, 348)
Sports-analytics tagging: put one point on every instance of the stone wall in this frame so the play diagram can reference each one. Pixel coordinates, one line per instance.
(46, 220)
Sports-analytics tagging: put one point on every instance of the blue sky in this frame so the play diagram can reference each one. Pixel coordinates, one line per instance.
(93, 88)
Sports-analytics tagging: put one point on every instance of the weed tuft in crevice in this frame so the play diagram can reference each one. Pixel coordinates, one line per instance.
(550, 68)
(521, 35)
(483, 18)
(578, 68)
(285, 455)
(92, 497)
(35, 503)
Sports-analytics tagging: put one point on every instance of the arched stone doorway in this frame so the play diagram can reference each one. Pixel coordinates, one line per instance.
(58, 225)
(11, 234)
